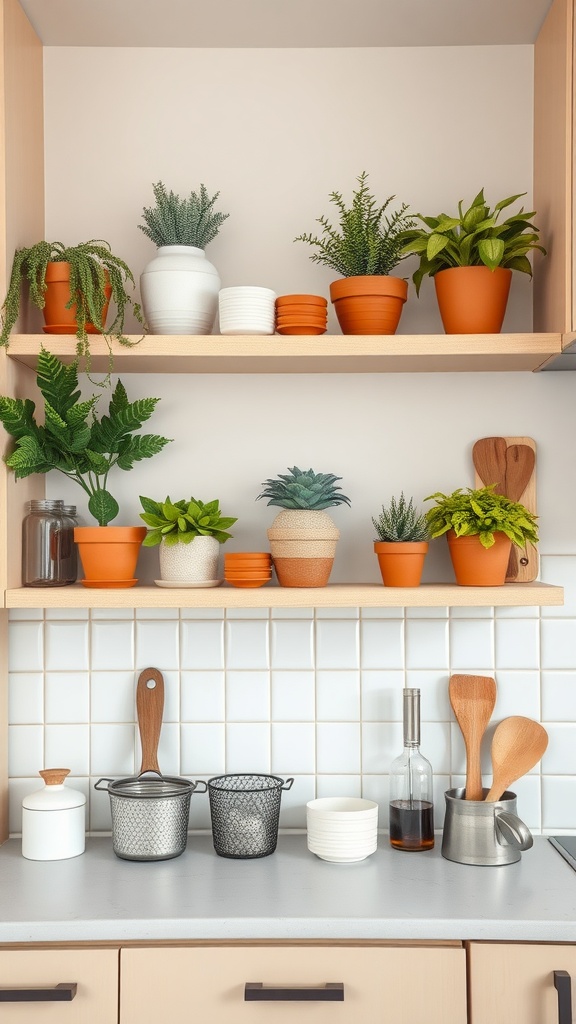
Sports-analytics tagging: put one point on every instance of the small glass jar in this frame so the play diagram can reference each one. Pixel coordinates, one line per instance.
(68, 548)
(43, 530)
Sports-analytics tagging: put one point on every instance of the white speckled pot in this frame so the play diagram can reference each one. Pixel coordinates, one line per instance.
(196, 562)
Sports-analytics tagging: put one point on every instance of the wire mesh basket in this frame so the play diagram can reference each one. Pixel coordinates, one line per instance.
(245, 810)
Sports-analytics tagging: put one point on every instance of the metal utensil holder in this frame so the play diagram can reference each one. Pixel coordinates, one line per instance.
(245, 810)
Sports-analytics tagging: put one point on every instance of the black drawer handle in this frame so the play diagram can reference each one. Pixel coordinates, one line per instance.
(563, 986)
(332, 992)
(59, 994)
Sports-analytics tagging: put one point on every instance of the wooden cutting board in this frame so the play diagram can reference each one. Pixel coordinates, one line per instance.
(490, 457)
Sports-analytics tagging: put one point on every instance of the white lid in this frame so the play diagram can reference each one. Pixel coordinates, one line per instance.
(54, 795)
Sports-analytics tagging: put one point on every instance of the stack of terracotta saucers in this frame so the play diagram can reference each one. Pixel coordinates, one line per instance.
(301, 314)
(248, 568)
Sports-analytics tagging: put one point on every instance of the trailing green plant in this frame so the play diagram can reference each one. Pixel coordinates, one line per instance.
(400, 520)
(92, 266)
(368, 240)
(303, 489)
(178, 221)
(176, 522)
(474, 238)
(481, 512)
(72, 439)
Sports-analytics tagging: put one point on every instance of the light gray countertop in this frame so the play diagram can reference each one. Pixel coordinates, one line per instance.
(289, 895)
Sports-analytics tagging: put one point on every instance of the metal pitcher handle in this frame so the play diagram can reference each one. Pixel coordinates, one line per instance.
(102, 788)
(513, 831)
(200, 782)
(287, 784)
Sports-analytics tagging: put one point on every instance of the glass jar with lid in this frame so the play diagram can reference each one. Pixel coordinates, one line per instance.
(43, 531)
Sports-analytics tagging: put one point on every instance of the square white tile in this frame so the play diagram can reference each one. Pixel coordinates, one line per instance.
(517, 612)
(381, 743)
(292, 644)
(376, 787)
(293, 802)
(247, 613)
(558, 696)
(112, 697)
(25, 698)
(248, 748)
(426, 613)
(427, 643)
(382, 643)
(67, 697)
(382, 695)
(200, 817)
(247, 644)
(291, 613)
(202, 750)
(558, 803)
(529, 801)
(17, 790)
(201, 613)
(382, 613)
(112, 750)
(26, 640)
(112, 645)
(560, 570)
(157, 644)
(65, 613)
(293, 696)
(471, 613)
(518, 693)
(338, 748)
(560, 755)
(293, 748)
(100, 816)
(66, 646)
(435, 745)
(202, 696)
(472, 645)
(337, 643)
(157, 613)
(67, 746)
(339, 785)
(558, 643)
(25, 614)
(434, 698)
(111, 614)
(337, 613)
(517, 643)
(247, 696)
(202, 644)
(25, 750)
(338, 695)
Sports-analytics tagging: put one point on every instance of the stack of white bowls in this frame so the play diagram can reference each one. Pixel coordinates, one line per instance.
(342, 829)
(246, 310)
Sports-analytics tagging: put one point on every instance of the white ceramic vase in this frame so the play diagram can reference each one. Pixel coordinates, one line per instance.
(179, 290)
(196, 562)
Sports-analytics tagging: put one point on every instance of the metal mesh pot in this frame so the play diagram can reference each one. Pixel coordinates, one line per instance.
(149, 815)
(245, 810)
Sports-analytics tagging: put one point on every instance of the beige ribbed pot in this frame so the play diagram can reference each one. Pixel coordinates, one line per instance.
(303, 545)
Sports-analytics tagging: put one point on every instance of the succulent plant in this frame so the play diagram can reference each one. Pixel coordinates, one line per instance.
(182, 521)
(401, 521)
(177, 221)
(481, 513)
(304, 489)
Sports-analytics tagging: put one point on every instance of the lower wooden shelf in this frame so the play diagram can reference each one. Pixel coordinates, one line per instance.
(338, 595)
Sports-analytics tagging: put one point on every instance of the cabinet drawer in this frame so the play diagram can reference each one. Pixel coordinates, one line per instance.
(95, 972)
(403, 984)
(515, 982)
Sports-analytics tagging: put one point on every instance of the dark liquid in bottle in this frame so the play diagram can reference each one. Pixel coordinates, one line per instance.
(412, 825)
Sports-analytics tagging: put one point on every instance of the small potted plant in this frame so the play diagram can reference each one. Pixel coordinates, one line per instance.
(85, 449)
(303, 536)
(189, 534)
(480, 527)
(364, 251)
(179, 286)
(402, 542)
(471, 257)
(73, 286)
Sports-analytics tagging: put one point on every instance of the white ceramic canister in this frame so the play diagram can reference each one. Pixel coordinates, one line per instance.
(53, 819)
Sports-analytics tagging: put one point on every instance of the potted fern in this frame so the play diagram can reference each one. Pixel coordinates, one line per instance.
(402, 543)
(480, 527)
(303, 536)
(189, 534)
(363, 251)
(72, 285)
(179, 287)
(471, 257)
(84, 448)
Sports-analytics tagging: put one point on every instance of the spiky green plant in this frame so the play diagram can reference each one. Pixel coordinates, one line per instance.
(483, 513)
(177, 221)
(401, 521)
(92, 265)
(303, 489)
(72, 439)
(181, 521)
(368, 242)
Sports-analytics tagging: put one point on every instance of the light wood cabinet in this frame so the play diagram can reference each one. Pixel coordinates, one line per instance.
(515, 982)
(94, 972)
(404, 984)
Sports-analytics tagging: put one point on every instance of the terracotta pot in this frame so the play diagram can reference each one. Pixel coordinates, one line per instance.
(477, 566)
(308, 300)
(472, 300)
(386, 295)
(57, 294)
(303, 544)
(401, 562)
(109, 554)
(298, 329)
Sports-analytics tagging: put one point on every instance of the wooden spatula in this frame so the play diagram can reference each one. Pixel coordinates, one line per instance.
(489, 457)
(472, 699)
(517, 745)
(520, 461)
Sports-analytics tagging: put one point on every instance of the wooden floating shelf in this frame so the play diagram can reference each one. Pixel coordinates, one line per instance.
(398, 353)
(338, 595)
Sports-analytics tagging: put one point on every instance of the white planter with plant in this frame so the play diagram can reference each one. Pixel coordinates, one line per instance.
(180, 287)
(189, 534)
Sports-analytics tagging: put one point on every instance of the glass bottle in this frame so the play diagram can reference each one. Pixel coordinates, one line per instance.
(411, 800)
(68, 549)
(42, 530)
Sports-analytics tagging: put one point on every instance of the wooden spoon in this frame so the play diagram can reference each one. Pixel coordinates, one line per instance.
(472, 699)
(489, 457)
(150, 707)
(517, 745)
(520, 460)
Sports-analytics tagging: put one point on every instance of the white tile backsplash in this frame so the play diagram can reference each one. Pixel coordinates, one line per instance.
(312, 695)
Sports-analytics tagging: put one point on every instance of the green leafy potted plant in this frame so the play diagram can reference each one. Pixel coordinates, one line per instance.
(84, 448)
(402, 543)
(471, 257)
(303, 536)
(480, 527)
(73, 286)
(189, 534)
(179, 286)
(364, 250)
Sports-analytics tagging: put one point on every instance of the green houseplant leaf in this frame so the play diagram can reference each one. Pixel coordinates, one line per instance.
(172, 522)
(481, 513)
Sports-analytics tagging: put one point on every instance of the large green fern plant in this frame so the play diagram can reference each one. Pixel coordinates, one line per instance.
(72, 439)
(177, 221)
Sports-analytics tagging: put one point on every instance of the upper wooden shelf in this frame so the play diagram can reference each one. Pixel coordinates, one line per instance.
(337, 595)
(398, 353)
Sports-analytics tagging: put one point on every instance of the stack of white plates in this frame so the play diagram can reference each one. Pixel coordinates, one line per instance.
(342, 829)
(246, 310)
